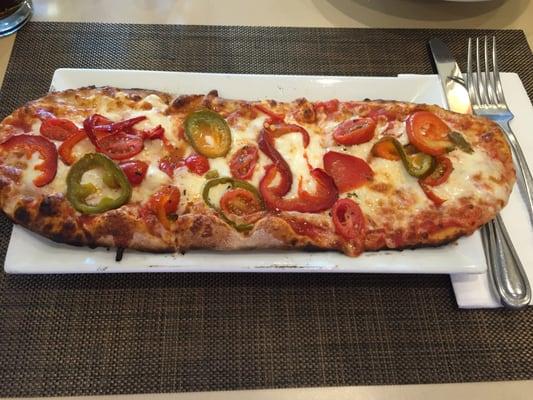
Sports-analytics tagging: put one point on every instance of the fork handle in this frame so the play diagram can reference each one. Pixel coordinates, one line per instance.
(525, 180)
(505, 269)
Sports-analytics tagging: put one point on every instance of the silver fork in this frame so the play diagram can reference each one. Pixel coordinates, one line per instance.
(507, 274)
(486, 94)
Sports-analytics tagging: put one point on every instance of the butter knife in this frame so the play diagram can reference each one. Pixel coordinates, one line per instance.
(507, 276)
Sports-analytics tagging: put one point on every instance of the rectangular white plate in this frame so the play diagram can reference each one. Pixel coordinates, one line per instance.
(29, 253)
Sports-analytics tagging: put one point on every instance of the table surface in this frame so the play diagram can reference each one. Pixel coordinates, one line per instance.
(498, 14)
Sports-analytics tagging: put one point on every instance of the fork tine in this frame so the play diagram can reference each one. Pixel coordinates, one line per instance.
(500, 98)
(479, 77)
(489, 76)
(470, 83)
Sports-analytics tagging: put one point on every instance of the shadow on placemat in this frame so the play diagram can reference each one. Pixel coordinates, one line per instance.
(103, 334)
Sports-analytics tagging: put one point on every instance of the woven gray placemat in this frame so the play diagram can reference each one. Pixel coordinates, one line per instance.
(103, 334)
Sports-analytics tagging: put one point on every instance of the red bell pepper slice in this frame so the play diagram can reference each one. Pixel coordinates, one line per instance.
(30, 144)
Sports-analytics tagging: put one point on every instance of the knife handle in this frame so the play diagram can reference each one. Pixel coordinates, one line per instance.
(505, 268)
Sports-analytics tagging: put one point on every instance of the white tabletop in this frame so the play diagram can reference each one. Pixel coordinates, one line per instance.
(497, 14)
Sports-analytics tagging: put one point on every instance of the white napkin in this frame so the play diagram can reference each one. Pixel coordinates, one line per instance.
(473, 291)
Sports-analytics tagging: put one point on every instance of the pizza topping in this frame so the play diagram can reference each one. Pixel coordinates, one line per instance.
(100, 129)
(156, 133)
(243, 162)
(428, 133)
(440, 174)
(240, 202)
(234, 200)
(208, 133)
(135, 171)
(384, 148)
(273, 117)
(348, 219)
(280, 128)
(169, 163)
(355, 131)
(29, 144)
(461, 142)
(212, 174)
(58, 128)
(197, 164)
(266, 144)
(417, 164)
(113, 177)
(347, 171)
(431, 195)
(92, 125)
(120, 146)
(164, 204)
(329, 106)
(325, 195)
(65, 149)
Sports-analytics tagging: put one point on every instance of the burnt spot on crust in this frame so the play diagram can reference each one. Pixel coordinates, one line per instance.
(50, 206)
(305, 112)
(21, 215)
(185, 103)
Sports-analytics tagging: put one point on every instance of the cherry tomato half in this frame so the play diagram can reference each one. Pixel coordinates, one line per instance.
(120, 146)
(440, 174)
(164, 203)
(239, 202)
(58, 128)
(135, 171)
(355, 131)
(348, 219)
(428, 133)
(385, 148)
(197, 164)
(347, 171)
(243, 162)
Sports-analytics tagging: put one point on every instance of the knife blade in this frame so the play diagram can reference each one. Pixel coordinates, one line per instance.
(505, 271)
(451, 78)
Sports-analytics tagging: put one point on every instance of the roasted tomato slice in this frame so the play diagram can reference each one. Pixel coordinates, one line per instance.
(440, 174)
(355, 131)
(58, 128)
(197, 164)
(120, 146)
(430, 195)
(29, 144)
(347, 171)
(385, 148)
(135, 171)
(348, 219)
(329, 106)
(171, 162)
(243, 162)
(239, 202)
(65, 150)
(164, 203)
(428, 133)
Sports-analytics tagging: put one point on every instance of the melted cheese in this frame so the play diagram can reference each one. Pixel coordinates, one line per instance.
(94, 177)
(152, 182)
